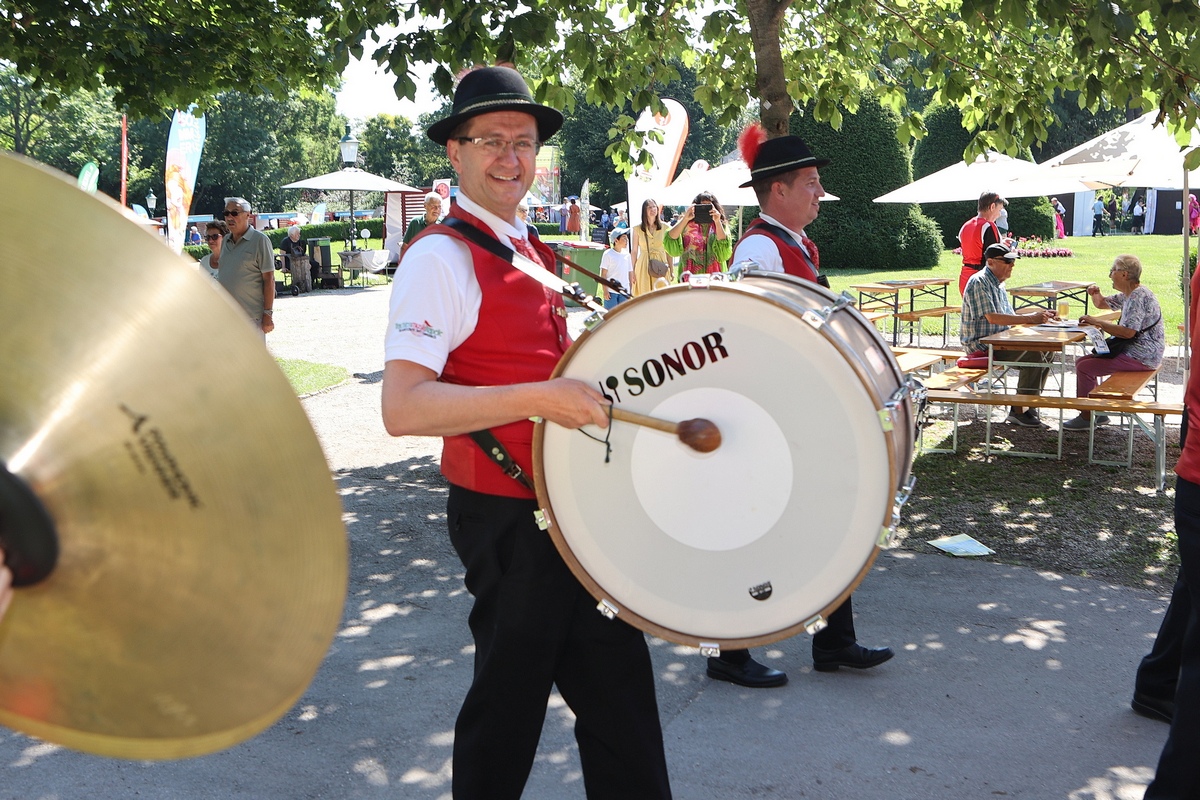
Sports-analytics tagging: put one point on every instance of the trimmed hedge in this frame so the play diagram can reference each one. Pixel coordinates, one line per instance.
(856, 232)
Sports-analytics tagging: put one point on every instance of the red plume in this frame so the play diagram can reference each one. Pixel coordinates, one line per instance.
(749, 141)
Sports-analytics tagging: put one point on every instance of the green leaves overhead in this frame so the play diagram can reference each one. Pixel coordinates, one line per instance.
(1000, 61)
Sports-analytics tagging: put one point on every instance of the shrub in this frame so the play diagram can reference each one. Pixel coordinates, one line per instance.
(856, 232)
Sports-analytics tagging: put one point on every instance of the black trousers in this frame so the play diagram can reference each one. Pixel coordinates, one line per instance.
(536, 627)
(1178, 774)
(838, 633)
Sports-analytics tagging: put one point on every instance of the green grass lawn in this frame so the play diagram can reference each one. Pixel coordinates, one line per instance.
(308, 378)
(1160, 256)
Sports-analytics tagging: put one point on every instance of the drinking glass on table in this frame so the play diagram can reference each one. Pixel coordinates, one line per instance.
(1064, 309)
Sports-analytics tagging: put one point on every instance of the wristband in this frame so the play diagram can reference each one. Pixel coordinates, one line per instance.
(269, 311)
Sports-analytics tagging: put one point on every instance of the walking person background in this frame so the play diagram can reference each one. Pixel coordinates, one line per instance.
(646, 245)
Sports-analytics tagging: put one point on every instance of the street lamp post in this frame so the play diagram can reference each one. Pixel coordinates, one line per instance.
(151, 202)
(349, 146)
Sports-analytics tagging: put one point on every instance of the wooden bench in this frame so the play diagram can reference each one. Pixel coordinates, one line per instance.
(1096, 405)
(953, 378)
(1124, 385)
(914, 317)
(947, 356)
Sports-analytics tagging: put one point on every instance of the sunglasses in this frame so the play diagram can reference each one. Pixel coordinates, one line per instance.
(235, 213)
(212, 237)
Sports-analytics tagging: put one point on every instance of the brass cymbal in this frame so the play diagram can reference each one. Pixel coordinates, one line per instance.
(202, 560)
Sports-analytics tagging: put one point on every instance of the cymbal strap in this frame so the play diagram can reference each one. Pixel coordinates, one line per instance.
(27, 534)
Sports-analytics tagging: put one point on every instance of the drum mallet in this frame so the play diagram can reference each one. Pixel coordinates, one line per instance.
(699, 434)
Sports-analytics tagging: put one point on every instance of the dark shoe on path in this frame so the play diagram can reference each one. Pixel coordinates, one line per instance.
(855, 656)
(1153, 707)
(1026, 419)
(751, 673)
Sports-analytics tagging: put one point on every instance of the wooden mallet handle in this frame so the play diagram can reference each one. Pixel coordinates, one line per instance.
(699, 434)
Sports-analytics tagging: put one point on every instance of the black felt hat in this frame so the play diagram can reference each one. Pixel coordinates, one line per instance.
(489, 89)
(777, 156)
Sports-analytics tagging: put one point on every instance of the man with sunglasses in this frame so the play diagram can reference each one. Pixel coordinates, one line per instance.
(247, 268)
(470, 348)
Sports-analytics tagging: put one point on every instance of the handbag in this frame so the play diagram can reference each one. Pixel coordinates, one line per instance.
(656, 266)
(1118, 345)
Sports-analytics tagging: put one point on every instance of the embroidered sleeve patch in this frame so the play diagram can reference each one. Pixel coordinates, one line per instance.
(419, 329)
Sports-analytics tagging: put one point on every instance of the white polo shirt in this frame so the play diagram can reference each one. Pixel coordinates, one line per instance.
(762, 250)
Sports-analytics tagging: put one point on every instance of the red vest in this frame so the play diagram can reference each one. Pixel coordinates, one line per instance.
(1188, 466)
(794, 262)
(519, 338)
(970, 236)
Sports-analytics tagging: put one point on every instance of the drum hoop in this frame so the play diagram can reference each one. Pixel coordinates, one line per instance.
(631, 617)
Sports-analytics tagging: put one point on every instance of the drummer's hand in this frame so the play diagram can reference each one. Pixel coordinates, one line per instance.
(573, 404)
(6, 592)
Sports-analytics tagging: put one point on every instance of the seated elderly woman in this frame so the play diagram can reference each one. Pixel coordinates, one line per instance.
(292, 245)
(1141, 324)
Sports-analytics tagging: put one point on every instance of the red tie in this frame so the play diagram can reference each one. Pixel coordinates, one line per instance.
(811, 247)
(523, 247)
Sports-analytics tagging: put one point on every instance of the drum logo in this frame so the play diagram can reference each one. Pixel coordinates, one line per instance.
(654, 372)
(761, 592)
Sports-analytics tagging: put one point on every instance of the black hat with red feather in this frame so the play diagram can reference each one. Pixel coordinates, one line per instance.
(770, 157)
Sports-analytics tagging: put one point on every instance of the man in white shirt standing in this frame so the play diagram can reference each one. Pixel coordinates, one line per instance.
(783, 174)
(470, 348)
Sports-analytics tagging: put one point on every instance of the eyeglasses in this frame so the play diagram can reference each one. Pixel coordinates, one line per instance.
(234, 213)
(497, 147)
(212, 237)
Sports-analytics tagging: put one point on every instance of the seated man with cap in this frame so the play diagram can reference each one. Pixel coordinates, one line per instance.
(986, 311)
(471, 344)
(783, 174)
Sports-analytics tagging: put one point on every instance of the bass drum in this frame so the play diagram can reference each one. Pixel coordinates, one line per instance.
(765, 536)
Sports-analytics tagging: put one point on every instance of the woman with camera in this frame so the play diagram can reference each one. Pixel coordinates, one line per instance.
(700, 237)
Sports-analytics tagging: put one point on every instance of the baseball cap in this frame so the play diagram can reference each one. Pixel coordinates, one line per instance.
(1001, 250)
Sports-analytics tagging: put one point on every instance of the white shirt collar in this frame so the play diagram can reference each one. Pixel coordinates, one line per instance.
(504, 230)
(799, 237)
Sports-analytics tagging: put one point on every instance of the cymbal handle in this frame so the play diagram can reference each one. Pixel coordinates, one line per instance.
(27, 533)
(645, 421)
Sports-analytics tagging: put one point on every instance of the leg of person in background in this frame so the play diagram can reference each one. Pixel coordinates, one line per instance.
(1088, 372)
(834, 646)
(1158, 672)
(1178, 774)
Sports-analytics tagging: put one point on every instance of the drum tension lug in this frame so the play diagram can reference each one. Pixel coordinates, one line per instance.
(542, 520)
(885, 417)
(815, 625)
(593, 321)
(887, 535)
(710, 649)
(607, 609)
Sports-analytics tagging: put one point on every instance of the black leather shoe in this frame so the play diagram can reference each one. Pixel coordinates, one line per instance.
(1153, 707)
(751, 674)
(855, 656)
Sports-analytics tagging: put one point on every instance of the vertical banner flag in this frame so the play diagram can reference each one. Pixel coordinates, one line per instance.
(545, 177)
(185, 143)
(89, 176)
(585, 211)
(674, 129)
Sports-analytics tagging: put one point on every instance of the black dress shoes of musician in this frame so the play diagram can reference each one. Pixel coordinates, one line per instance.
(1153, 707)
(748, 673)
(855, 656)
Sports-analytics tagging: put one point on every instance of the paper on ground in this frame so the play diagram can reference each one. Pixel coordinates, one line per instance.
(962, 545)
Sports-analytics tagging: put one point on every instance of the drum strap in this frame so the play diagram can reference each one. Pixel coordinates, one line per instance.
(786, 237)
(498, 453)
(544, 276)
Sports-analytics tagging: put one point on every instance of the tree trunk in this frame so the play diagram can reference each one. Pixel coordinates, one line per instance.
(765, 18)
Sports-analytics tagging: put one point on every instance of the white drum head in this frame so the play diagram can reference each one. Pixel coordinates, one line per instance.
(745, 544)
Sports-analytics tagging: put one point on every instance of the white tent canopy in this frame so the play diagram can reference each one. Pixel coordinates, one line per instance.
(991, 172)
(351, 180)
(724, 182)
(1138, 153)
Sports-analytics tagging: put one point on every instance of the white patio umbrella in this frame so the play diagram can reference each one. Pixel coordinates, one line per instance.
(963, 181)
(351, 180)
